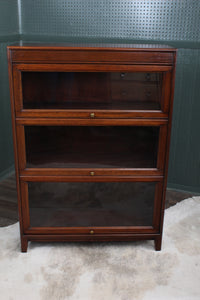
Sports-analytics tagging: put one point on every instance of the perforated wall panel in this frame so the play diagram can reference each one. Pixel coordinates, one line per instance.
(184, 167)
(153, 20)
(6, 148)
(9, 17)
(9, 28)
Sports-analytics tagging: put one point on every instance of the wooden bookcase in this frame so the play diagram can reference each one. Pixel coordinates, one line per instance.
(91, 131)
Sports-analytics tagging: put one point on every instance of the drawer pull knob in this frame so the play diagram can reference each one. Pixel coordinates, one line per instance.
(91, 231)
(122, 75)
(92, 173)
(92, 115)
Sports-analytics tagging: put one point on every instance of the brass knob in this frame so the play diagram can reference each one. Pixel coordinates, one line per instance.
(92, 173)
(91, 231)
(92, 115)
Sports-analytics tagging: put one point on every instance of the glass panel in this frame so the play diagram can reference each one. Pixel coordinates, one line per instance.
(91, 90)
(68, 204)
(91, 146)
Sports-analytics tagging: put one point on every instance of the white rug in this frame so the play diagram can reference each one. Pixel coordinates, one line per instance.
(107, 271)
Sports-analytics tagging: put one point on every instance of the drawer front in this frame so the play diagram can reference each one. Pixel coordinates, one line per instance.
(92, 150)
(91, 91)
(91, 207)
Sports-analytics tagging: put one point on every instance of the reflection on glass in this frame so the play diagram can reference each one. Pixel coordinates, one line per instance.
(91, 146)
(91, 90)
(68, 204)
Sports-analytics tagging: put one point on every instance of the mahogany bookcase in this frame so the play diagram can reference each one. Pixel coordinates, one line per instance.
(91, 130)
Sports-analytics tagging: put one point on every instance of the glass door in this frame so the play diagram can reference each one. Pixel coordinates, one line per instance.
(120, 92)
(91, 146)
(92, 90)
(92, 205)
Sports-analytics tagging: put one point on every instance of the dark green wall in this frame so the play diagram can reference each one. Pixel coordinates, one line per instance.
(184, 167)
(9, 32)
(142, 19)
(172, 22)
(9, 21)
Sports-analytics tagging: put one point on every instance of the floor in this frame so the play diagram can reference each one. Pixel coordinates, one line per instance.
(8, 200)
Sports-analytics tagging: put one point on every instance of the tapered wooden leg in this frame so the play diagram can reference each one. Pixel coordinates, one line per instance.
(158, 243)
(24, 244)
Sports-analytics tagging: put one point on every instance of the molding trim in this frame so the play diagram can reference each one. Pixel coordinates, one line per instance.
(19, 6)
(184, 188)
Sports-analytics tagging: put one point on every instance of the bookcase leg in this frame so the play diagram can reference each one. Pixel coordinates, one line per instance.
(157, 243)
(24, 244)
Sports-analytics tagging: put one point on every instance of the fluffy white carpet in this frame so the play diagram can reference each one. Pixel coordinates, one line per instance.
(107, 271)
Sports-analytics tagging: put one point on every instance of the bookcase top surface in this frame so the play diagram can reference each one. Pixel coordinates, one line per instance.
(85, 45)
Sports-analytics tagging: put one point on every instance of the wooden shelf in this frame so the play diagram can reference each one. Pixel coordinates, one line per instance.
(117, 105)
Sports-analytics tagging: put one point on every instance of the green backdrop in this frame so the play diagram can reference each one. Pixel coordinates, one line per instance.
(9, 32)
(176, 23)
